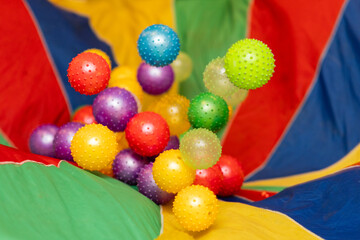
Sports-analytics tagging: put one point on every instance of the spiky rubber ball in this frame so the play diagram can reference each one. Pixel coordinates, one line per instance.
(127, 165)
(147, 133)
(101, 53)
(108, 170)
(158, 45)
(200, 148)
(237, 97)
(94, 147)
(62, 140)
(174, 109)
(195, 207)
(249, 64)
(147, 186)
(233, 176)
(84, 114)
(170, 172)
(114, 107)
(155, 80)
(208, 111)
(211, 178)
(125, 77)
(216, 80)
(88, 73)
(182, 67)
(41, 140)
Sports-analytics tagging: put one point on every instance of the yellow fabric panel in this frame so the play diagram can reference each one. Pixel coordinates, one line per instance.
(350, 159)
(120, 22)
(240, 221)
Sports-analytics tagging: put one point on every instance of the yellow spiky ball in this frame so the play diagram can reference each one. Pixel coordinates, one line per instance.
(170, 172)
(174, 109)
(121, 140)
(101, 53)
(195, 207)
(125, 77)
(94, 147)
(108, 170)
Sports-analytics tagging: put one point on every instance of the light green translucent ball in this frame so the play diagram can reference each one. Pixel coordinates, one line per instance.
(200, 148)
(249, 64)
(216, 80)
(182, 67)
(236, 98)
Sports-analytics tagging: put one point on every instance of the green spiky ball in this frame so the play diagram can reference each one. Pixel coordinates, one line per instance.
(208, 111)
(249, 64)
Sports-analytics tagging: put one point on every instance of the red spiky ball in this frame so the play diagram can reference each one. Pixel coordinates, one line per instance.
(233, 176)
(84, 114)
(88, 73)
(211, 178)
(147, 133)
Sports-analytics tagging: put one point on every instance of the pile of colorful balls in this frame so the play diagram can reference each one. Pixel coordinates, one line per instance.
(140, 131)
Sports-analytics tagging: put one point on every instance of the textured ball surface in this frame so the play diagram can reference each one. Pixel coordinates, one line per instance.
(125, 77)
(237, 97)
(127, 165)
(158, 45)
(147, 186)
(94, 147)
(155, 80)
(88, 73)
(170, 172)
(182, 67)
(173, 143)
(121, 140)
(108, 170)
(147, 133)
(208, 111)
(114, 107)
(233, 176)
(200, 148)
(84, 115)
(196, 208)
(101, 53)
(249, 64)
(216, 80)
(63, 137)
(211, 178)
(174, 109)
(121, 73)
(41, 140)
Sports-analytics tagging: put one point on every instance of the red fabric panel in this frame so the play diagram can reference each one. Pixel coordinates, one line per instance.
(297, 33)
(29, 91)
(255, 195)
(13, 156)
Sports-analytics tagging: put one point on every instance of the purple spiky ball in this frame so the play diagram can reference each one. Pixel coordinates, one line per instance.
(41, 140)
(148, 187)
(114, 107)
(63, 137)
(155, 80)
(173, 143)
(127, 165)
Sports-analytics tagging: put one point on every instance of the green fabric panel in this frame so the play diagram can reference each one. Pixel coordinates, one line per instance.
(3, 141)
(41, 202)
(207, 28)
(265, 188)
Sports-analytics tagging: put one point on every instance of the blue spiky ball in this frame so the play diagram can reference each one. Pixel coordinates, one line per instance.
(158, 45)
